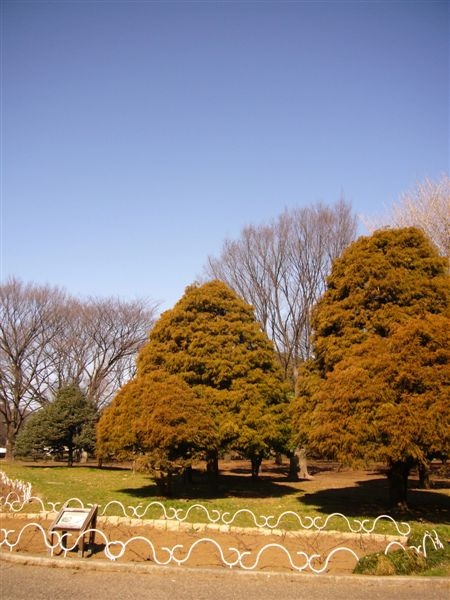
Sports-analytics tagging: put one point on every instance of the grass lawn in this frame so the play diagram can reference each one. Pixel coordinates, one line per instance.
(357, 494)
(90, 484)
(102, 485)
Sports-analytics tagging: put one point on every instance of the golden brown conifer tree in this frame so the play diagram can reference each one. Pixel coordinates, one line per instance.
(211, 342)
(378, 386)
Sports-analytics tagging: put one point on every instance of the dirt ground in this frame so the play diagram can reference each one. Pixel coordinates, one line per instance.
(333, 489)
(205, 553)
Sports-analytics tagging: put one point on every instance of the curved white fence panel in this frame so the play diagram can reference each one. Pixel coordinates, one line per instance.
(20, 497)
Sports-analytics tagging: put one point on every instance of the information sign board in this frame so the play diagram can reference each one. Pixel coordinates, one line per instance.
(75, 520)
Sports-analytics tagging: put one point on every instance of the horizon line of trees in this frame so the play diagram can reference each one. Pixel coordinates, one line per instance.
(374, 389)
(50, 339)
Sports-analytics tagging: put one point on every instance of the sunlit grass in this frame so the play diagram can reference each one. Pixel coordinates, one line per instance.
(89, 484)
(267, 497)
(103, 485)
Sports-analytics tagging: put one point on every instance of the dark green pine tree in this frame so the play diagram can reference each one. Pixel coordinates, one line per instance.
(68, 422)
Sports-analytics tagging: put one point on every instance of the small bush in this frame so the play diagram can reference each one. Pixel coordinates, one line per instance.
(400, 562)
(375, 564)
(405, 562)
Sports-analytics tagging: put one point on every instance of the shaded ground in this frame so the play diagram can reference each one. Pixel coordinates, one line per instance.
(366, 492)
(331, 489)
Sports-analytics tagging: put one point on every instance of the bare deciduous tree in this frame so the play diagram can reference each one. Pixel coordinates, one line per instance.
(49, 340)
(30, 320)
(104, 336)
(281, 268)
(427, 207)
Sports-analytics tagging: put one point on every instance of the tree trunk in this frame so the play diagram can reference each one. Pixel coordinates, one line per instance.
(424, 476)
(212, 464)
(10, 439)
(302, 464)
(12, 429)
(298, 465)
(212, 469)
(398, 484)
(187, 476)
(278, 459)
(293, 467)
(169, 486)
(256, 464)
(70, 456)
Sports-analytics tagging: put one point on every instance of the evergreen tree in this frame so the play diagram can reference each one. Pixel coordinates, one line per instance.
(377, 388)
(157, 421)
(67, 423)
(212, 341)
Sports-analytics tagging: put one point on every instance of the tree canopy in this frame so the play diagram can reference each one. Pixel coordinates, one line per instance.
(66, 424)
(212, 341)
(378, 282)
(378, 386)
(157, 420)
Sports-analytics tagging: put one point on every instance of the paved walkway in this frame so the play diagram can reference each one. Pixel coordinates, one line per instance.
(29, 578)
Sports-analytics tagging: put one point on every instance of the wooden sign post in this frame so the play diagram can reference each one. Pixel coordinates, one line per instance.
(77, 521)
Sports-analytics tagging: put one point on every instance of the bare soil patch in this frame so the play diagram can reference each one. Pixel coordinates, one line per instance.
(205, 553)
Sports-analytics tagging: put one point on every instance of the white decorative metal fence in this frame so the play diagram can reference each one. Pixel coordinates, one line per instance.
(157, 514)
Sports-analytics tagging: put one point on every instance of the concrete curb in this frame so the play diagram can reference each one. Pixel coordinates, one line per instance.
(130, 567)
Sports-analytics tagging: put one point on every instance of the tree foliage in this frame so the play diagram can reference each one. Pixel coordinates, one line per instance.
(212, 341)
(66, 424)
(280, 269)
(157, 420)
(378, 386)
(380, 281)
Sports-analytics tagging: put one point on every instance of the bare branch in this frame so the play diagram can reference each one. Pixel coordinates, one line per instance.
(281, 269)
(426, 207)
(49, 340)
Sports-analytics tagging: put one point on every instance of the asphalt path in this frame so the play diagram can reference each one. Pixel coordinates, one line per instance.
(45, 581)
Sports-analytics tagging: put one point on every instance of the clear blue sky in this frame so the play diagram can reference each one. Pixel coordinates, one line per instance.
(137, 136)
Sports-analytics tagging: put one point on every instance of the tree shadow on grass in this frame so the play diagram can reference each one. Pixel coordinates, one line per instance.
(226, 486)
(62, 464)
(370, 498)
